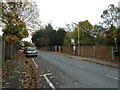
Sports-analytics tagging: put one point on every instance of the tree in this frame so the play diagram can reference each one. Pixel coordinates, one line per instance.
(66, 42)
(98, 29)
(49, 37)
(16, 17)
(111, 16)
(52, 38)
(60, 36)
(85, 33)
(40, 38)
(44, 36)
(69, 35)
(57, 37)
(111, 19)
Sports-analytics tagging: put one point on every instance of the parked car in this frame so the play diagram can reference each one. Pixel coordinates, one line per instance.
(25, 50)
(31, 51)
(22, 49)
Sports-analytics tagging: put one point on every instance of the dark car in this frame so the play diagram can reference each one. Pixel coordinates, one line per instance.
(31, 51)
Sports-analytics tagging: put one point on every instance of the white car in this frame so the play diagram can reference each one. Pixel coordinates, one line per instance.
(31, 51)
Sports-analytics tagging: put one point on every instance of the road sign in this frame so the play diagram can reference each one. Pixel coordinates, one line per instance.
(72, 41)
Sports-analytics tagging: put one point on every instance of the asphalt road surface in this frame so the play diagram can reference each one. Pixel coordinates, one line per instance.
(72, 73)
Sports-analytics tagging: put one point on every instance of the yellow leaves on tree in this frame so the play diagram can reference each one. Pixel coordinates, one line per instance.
(10, 38)
(23, 33)
(85, 26)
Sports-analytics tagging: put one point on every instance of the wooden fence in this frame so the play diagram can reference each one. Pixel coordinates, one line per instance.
(100, 52)
(94, 51)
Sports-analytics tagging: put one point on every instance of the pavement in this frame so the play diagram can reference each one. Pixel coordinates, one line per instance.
(109, 63)
(19, 73)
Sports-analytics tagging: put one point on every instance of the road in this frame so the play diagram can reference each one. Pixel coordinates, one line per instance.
(72, 73)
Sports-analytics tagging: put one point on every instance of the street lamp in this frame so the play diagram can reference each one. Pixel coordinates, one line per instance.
(78, 38)
(116, 43)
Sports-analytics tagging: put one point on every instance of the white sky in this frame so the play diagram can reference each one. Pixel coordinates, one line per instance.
(62, 12)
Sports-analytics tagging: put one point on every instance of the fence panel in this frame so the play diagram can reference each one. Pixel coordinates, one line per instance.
(103, 52)
(46, 48)
(67, 49)
(87, 51)
(94, 51)
(7, 49)
(0, 52)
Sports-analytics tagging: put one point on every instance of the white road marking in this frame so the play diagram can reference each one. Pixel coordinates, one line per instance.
(112, 77)
(48, 74)
(80, 66)
(35, 63)
(73, 64)
(48, 81)
(45, 76)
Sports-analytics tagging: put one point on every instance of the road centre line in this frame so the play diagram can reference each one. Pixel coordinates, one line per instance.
(112, 77)
(79, 66)
(35, 63)
(74, 64)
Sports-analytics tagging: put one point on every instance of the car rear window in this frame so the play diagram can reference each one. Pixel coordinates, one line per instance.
(31, 49)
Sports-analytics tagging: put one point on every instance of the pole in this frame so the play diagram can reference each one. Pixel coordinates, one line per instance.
(116, 43)
(78, 38)
(78, 42)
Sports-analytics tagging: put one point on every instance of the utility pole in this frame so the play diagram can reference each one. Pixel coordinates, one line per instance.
(78, 41)
(78, 38)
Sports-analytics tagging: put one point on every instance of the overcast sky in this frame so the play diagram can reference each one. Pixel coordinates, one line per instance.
(61, 12)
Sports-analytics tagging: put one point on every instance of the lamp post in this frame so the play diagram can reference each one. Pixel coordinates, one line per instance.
(115, 43)
(78, 39)
(78, 42)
